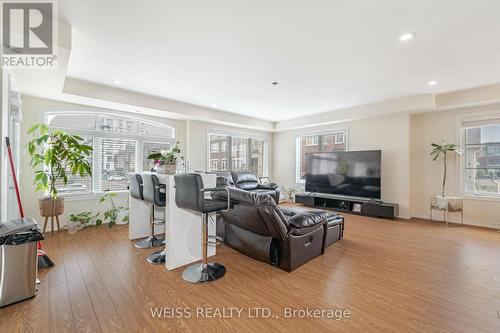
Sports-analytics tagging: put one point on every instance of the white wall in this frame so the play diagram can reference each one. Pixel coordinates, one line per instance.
(426, 174)
(197, 136)
(3, 155)
(32, 108)
(391, 134)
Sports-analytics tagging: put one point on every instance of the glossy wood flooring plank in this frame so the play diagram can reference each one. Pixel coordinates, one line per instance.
(394, 276)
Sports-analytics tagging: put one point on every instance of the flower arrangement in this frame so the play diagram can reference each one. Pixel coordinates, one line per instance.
(168, 157)
(290, 192)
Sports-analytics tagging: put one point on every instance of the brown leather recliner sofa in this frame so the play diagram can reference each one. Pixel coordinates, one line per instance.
(248, 181)
(283, 236)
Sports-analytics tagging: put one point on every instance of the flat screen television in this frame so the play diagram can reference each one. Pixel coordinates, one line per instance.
(348, 173)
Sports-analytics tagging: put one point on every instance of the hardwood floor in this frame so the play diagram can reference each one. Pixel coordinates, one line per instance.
(393, 276)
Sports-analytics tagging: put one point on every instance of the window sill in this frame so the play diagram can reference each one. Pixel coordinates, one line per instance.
(89, 196)
(480, 197)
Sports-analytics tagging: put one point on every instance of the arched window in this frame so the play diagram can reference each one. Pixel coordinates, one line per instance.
(121, 144)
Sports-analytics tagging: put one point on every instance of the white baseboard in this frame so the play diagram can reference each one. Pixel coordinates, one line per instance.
(455, 218)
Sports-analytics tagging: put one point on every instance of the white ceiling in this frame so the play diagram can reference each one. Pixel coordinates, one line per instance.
(326, 55)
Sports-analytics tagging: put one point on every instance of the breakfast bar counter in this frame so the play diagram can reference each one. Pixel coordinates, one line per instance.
(182, 228)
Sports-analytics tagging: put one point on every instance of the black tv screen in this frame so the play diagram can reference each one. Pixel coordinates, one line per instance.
(349, 173)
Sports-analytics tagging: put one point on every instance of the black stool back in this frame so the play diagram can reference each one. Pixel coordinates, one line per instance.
(136, 186)
(188, 192)
(158, 196)
(148, 188)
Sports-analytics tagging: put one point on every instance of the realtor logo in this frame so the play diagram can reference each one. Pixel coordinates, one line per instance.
(29, 30)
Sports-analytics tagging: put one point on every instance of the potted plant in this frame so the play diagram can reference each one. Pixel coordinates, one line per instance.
(80, 220)
(290, 193)
(442, 202)
(57, 155)
(165, 161)
(444, 149)
(114, 215)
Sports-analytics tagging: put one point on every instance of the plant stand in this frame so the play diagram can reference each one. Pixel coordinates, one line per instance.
(51, 208)
(447, 205)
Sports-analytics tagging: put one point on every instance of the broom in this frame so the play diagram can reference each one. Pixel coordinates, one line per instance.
(43, 259)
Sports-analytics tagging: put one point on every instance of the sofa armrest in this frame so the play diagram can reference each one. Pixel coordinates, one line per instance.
(306, 230)
(270, 186)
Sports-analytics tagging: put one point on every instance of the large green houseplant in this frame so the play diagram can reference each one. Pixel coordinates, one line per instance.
(55, 155)
(443, 149)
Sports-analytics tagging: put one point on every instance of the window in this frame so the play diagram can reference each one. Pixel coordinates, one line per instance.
(77, 184)
(244, 153)
(309, 144)
(311, 140)
(112, 176)
(215, 147)
(214, 165)
(482, 159)
(121, 145)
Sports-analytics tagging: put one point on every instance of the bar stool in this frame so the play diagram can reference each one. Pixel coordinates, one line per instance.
(148, 193)
(159, 198)
(190, 195)
(136, 192)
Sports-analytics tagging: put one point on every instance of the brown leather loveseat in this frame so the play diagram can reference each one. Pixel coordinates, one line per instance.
(286, 237)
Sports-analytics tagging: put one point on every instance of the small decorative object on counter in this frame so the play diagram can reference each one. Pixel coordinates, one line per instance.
(166, 161)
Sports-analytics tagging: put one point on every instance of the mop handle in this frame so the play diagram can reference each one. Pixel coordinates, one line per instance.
(11, 160)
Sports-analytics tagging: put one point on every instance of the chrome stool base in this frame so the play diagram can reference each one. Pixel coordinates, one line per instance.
(149, 243)
(157, 258)
(197, 273)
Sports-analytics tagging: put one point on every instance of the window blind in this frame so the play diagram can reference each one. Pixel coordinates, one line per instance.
(115, 158)
(76, 183)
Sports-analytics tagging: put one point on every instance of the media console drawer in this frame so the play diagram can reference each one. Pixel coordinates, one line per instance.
(351, 205)
(380, 209)
(305, 200)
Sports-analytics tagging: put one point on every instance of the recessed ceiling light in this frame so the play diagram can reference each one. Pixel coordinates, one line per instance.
(406, 36)
(214, 105)
(274, 83)
(432, 83)
(117, 82)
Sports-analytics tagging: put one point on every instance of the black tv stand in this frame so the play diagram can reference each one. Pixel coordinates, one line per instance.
(352, 205)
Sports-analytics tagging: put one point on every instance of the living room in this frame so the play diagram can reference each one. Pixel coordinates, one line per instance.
(243, 166)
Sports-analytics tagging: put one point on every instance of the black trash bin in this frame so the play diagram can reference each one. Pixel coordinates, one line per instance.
(18, 260)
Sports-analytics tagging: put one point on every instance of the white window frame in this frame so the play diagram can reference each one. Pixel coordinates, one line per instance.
(244, 135)
(139, 141)
(298, 154)
(314, 141)
(461, 121)
(339, 135)
(216, 150)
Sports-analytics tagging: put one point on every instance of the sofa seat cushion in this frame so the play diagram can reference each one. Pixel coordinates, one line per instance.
(335, 220)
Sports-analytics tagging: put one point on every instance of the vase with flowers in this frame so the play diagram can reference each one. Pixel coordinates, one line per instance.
(165, 161)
